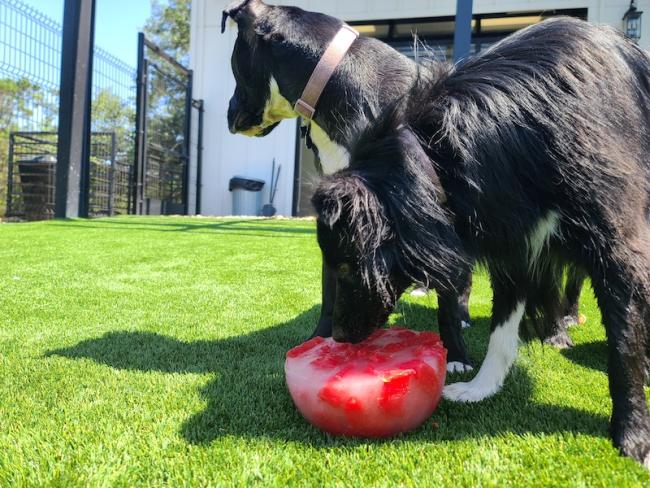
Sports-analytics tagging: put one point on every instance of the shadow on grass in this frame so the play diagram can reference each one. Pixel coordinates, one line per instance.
(590, 355)
(236, 227)
(594, 355)
(248, 396)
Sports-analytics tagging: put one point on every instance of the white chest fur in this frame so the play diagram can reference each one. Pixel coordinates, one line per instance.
(333, 157)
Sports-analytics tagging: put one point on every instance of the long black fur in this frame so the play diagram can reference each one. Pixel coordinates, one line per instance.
(285, 43)
(550, 125)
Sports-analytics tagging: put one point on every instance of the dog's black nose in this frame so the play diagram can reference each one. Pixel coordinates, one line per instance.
(240, 123)
(339, 335)
(353, 337)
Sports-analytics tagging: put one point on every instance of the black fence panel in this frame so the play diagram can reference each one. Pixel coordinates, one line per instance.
(30, 54)
(113, 111)
(32, 176)
(30, 58)
(110, 176)
(149, 174)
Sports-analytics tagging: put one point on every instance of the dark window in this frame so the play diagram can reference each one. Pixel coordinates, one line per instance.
(438, 33)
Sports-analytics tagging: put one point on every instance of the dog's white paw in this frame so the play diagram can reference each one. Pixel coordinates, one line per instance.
(646, 463)
(465, 325)
(468, 392)
(458, 367)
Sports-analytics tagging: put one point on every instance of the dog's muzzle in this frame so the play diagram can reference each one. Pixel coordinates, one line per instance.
(240, 122)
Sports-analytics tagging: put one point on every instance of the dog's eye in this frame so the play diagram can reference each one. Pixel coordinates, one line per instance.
(343, 269)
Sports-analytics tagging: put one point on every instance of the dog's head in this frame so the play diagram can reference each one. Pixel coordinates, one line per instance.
(382, 226)
(357, 241)
(275, 52)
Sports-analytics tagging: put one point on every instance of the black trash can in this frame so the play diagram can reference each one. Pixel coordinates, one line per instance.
(246, 195)
(37, 186)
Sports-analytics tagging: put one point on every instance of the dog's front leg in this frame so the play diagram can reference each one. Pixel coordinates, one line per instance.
(507, 311)
(463, 299)
(324, 327)
(452, 316)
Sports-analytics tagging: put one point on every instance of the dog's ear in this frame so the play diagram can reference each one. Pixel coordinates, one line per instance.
(349, 206)
(328, 201)
(346, 198)
(333, 194)
(244, 12)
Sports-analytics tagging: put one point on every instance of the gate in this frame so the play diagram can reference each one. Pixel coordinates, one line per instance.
(163, 133)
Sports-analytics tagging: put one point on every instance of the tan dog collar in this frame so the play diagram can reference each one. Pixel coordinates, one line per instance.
(334, 54)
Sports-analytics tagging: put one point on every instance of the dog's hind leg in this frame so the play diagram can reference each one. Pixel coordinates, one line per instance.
(574, 283)
(324, 327)
(622, 289)
(507, 310)
(547, 304)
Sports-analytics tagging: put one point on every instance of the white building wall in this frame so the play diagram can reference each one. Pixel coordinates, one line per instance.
(226, 155)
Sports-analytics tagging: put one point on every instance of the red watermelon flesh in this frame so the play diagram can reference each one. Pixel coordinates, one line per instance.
(389, 383)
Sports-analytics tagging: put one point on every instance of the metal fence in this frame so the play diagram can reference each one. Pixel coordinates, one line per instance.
(30, 58)
(114, 112)
(32, 175)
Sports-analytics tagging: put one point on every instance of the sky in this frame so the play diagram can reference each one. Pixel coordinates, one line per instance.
(117, 23)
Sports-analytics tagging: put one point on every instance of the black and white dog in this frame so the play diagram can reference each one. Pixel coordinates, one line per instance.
(276, 51)
(532, 155)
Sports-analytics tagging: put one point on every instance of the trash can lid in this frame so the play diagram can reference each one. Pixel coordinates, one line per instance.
(249, 184)
(44, 158)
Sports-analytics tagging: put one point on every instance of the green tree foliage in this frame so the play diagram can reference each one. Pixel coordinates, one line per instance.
(169, 27)
(112, 114)
(22, 100)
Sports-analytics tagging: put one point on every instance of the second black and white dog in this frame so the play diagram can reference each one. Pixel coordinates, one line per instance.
(532, 155)
(276, 51)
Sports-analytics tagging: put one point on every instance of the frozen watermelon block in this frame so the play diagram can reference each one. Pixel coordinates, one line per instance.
(387, 384)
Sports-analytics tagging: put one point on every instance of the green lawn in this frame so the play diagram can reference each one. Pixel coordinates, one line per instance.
(150, 352)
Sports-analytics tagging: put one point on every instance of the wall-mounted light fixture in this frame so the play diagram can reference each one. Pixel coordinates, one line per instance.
(632, 22)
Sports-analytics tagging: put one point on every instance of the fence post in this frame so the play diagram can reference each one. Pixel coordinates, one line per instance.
(111, 177)
(140, 121)
(463, 30)
(73, 153)
(10, 174)
(199, 155)
(188, 140)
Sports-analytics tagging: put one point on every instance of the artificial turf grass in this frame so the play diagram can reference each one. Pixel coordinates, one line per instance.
(140, 351)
